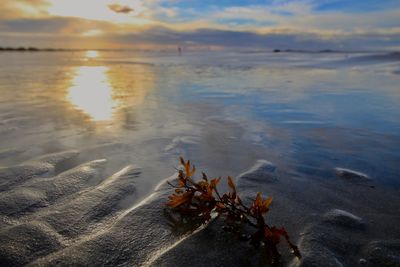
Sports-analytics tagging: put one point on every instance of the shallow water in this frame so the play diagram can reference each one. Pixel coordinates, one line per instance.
(307, 113)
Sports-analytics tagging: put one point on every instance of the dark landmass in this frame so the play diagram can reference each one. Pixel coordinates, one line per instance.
(35, 49)
(31, 49)
(322, 51)
(276, 50)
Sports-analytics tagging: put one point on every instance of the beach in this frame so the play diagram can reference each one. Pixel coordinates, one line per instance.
(88, 140)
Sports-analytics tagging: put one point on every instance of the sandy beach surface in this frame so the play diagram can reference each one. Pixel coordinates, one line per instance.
(89, 139)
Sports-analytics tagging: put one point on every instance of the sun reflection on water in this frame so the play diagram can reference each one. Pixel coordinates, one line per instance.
(91, 92)
(110, 96)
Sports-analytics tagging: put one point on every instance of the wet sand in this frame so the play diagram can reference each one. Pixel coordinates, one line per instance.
(79, 167)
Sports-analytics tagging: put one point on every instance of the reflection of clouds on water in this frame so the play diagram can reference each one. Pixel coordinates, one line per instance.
(131, 85)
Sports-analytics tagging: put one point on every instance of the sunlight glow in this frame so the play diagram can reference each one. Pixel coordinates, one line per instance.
(91, 92)
(93, 32)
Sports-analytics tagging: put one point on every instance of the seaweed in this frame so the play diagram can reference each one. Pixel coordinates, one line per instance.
(200, 200)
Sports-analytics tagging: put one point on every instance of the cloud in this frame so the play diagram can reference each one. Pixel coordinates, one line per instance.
(120, 9)
(303, 17)
(34, 25)
(243, 40)
(55, 25)
(78, 33)
(255, 24)
(22, 9)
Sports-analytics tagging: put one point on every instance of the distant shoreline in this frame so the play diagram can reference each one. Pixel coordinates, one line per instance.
(35, 49)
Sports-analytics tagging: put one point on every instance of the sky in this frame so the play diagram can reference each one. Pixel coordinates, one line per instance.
(202, 24)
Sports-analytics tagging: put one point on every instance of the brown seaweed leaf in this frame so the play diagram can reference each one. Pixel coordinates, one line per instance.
(201, 199)
(260, 206)
(178, 199)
